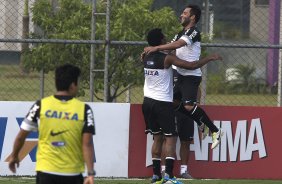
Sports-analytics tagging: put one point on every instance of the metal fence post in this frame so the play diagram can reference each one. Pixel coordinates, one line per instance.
(107, 52)
(42, 83)
(279, 92)
(92, 56)
(204, 68)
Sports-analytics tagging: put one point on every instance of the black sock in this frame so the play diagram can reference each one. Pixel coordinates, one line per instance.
(199, 115)
(157, 167)
(169, 166)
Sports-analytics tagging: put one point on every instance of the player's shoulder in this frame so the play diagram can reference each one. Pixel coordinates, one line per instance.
(87, 107)
(193, 30)
(46, 98)
(155, 55)
(36, 104)
(193, 34)
(196, 28)
(80, 103)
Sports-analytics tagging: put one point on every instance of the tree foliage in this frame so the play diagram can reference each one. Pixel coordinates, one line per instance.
(130, 20)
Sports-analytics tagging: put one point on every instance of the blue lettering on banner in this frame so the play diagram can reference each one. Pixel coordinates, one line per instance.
(3, 123)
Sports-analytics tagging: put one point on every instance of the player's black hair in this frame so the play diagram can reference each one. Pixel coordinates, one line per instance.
(155, 37)
(65, 75)
(195, 10)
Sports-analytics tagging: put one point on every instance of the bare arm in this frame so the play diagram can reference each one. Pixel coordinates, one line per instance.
(88, 154)
(18, 144)
(173, 60)
(169, 46)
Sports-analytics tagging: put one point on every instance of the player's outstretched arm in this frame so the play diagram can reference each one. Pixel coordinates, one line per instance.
(173, 60)
(13, 158)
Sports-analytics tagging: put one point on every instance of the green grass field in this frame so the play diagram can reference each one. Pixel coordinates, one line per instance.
(30, 180)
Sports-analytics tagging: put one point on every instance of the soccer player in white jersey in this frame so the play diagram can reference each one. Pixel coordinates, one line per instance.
(157, 106)
(187, 46)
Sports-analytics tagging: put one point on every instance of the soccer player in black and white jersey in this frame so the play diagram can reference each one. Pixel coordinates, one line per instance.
(158, 107)
(188, 47)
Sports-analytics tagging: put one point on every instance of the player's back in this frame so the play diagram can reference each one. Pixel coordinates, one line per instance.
(158, 79)
(60, 136)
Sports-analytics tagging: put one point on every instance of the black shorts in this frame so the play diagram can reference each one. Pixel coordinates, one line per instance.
(185, 126)
(46, 178)
(186, 89)
(159, 117)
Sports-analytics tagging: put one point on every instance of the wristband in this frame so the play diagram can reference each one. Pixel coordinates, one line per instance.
(91, 173)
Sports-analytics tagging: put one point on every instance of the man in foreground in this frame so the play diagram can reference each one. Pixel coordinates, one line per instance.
(66, 128)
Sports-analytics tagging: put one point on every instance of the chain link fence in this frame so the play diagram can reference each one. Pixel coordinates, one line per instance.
(245, 33)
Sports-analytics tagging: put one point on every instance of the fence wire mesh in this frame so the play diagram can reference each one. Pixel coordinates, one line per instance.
(245, 33)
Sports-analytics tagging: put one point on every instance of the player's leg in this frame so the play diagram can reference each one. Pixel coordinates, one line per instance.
(170, 147)
(185, 127)
(189, 90)
(147, 113)
(153, 127)
(203, 128)
(163, 155)
(156, 157)
(167, 122)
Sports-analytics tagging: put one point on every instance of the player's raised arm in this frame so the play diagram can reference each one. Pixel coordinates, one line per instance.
(169, 46)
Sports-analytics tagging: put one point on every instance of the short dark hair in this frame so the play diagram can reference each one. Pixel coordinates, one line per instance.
(195, 10)
(65, 75)
(155, 37)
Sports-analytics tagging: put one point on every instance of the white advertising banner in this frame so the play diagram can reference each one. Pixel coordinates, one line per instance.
(11, 113)
(111, 139)
(110, 142)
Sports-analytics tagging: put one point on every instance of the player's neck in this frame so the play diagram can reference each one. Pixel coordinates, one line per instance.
(189, 26)
(63, 93)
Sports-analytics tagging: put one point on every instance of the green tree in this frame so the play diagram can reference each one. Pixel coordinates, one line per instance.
(130, 20)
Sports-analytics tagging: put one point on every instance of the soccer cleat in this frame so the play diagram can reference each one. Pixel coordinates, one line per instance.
(168, 180)
(156, 180)
(216, 138)
(186, 175)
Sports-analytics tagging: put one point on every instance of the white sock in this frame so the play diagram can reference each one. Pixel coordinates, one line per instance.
(163, 168)
(183, 169)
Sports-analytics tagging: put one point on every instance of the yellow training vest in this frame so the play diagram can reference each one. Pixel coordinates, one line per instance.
(60, 136)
